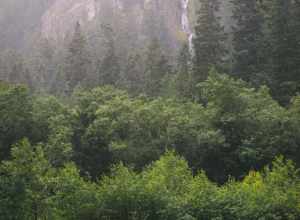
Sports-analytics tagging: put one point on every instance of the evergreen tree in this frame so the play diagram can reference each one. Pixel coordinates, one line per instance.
(77, 60)
(12, 67)
(17, 69)
(208, 41)
(40, 66)
(156, 68)
(27, 79)
(283, 23)
(109, 71)
(133, 78)
(44, 67)
(295, 36)
(2, 68)
(183, 81)
(247, 38)
(280, 30)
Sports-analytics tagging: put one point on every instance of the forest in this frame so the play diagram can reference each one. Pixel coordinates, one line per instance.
(100, 128)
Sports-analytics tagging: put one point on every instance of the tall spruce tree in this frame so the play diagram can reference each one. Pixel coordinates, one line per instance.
(295, 26)
(3, 67)
(43, 66)
(133, 79)
(209, 49)
(283, 23)
(16, 69)
(156, 68)
(247, 38)
(77, 61)
(109, 71)
(183, 81)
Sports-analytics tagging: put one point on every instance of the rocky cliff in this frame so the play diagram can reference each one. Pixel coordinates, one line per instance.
(172, 20)
(61, 17)
(170, 17)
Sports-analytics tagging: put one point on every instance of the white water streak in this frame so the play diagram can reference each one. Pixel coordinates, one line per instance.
(186, 24)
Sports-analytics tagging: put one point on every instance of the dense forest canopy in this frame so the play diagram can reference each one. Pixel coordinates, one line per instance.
(150, 123)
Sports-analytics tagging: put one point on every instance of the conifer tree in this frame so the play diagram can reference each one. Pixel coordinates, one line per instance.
(17, 69)
(183, 81)
(208, 41)
(77, 60)
(294, 39)
(2, 68)
(133, 78)
(109, 71)
(156, 68)
(283, 23)
(43, 66)
(247, 38)
(279, 13)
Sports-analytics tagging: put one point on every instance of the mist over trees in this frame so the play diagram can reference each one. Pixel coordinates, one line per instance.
(103, 126)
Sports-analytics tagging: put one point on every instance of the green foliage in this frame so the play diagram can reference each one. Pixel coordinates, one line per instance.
(74, 197)
(32, 189)
(236, 129)
(156, 68)
(123, 196)
(137, 131)
(156, 193)
(133, 80)
(29, 173)
(89, 151)
(109, 71)
(43, 110)
(209, 40)
(254, 125)
(77, 60)
(15, 117)
(183, 151)
(248, 39)
(184, 76)
(282, 34)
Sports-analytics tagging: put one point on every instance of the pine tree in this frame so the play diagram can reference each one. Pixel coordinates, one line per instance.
(183, 81)
(77, 61)
(3, 70)
(294, 37)
(17, 69)
(133, 77)
(209, 49)
(27, 79)
(279, 28)
(247, 38)
(283, 23)
(109, 71)
(156, 68)
(42, 65)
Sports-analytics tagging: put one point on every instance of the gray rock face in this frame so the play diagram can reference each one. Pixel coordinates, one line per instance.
(59, 21)
(173, 18)
(63, 14)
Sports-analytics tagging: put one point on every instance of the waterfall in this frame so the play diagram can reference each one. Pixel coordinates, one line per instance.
(91, 10)
(117, 4)
(185, 24)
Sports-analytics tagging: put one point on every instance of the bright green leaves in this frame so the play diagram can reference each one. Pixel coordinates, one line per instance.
(156, 193)
(29, 173)
(167, 190)
(138, 130)
(32, 189)
(15, 117)
(255, 126)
